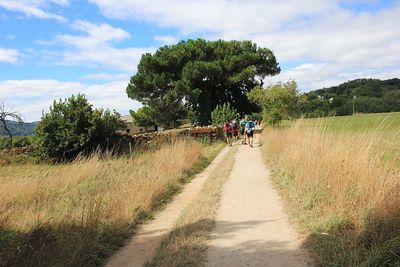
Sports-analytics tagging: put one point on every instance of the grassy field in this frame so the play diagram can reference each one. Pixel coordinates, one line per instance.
(341, 179)
(77, 214)
(384, 122)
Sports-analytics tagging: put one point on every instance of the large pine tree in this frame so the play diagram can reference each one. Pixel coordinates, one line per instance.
(198, 75)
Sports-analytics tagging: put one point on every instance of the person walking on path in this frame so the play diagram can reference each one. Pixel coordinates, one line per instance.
(228, 132)
(250, 131)
(235, 129)
(242, 126)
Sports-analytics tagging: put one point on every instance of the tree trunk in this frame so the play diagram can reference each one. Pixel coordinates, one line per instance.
(7, 130)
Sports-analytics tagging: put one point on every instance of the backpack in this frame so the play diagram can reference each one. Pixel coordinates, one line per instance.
(251, 124)
(234, 125)
(227, 127)
(243, 124)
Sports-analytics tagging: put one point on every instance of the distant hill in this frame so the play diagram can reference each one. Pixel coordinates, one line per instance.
(19, 129)
(368, 95)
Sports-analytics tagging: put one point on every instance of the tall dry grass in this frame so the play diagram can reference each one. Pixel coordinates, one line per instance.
(78, 213)
(344, 187)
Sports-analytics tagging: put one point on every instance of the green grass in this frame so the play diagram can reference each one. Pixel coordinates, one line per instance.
(384, 124)
(389, 122)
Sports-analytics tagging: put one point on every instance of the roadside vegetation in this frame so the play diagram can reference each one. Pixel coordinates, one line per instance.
(222, 113)
(79, 213)
(341, 180)
(17, 141)
(73, 127)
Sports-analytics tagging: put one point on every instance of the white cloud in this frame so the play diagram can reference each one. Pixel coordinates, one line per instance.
(34, 8)
(106, 56)
(107, 77)
(309, 76)
(322, 33)
(211, 15)
(95, 47)
(8, 55)
(96, 35)
(30, 97)
(166, 39)
(319, 75)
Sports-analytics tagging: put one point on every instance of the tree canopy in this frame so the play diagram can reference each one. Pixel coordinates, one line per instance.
(194, 76)
(144, 116)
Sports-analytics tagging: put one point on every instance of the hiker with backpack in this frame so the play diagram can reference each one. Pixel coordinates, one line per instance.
(235, 129)
(228, 132)
(250, 131)
(242, 126)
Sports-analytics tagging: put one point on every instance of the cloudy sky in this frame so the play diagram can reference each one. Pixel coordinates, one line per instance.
(50, 49)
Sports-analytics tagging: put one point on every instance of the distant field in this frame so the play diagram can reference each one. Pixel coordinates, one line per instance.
(389, 122)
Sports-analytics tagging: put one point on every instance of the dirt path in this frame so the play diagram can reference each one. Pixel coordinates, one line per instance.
(142, 247)
(251, 227)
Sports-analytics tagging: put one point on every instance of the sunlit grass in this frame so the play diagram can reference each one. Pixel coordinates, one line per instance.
(387, 122)
(78, 213)
(342, 179)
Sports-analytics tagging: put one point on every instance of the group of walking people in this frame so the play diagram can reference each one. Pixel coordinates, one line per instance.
(245, 127)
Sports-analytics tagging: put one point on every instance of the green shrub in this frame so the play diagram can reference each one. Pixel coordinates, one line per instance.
(72, 127)
(279, 101)
(222, 113)
(18, 141)
(5, 143)
(257, 116)
(21, 141)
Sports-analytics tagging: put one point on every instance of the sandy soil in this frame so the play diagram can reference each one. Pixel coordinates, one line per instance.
(251, 227)
(142, 247)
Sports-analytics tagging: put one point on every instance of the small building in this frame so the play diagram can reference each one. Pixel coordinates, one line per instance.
(132, 128)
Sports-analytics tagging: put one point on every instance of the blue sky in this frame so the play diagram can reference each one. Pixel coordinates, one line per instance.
(50, 49)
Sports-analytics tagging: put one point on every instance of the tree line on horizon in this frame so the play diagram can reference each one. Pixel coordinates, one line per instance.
(371, 96)
(367, 95)
(283, 100)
